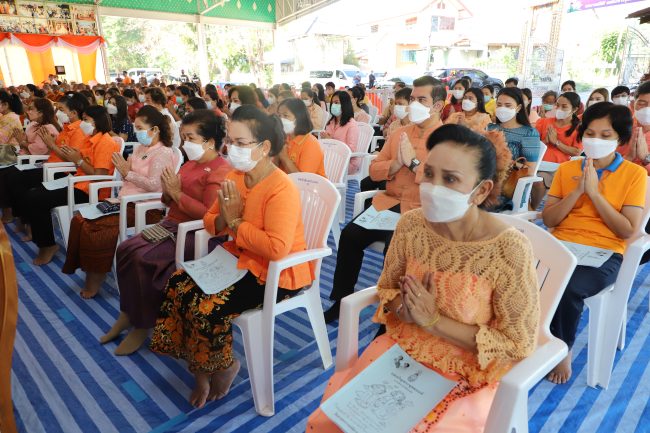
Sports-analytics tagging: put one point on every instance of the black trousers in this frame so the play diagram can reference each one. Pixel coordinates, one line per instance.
(355, 239)
(367, 184)
(18, 184)
(585, 282)
(37, 204)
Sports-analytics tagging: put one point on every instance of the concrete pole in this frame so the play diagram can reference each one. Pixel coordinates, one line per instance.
(204, 72)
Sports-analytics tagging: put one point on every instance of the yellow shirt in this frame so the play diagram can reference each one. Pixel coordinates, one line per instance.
(491, 107)
(625, 186)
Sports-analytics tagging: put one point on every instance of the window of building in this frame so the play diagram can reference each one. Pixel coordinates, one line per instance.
(439, 24)
(408, 56)
(411, 22)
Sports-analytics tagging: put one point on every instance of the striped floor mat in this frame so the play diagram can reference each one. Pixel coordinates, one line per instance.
(65, 381)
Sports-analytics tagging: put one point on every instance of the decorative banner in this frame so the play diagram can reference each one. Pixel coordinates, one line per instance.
(41, 43)
(581, 5)
(44, 18)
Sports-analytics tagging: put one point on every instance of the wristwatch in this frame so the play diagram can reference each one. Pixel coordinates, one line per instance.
(78, 163)
(414, 164)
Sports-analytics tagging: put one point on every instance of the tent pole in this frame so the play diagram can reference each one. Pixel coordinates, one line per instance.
(102, 47)
(204, 73)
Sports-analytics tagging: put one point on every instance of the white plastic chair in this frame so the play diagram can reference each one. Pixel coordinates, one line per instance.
(319, 199)
(31, 159)
(521, 195)
(336, 155)
(359, 206)
(318, 129)
(509, 411)
(608, 309)
(373, 112)
(366, 132)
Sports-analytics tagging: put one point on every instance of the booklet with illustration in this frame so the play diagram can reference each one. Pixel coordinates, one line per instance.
(372, 219)
(215, 272)
(588, 256)
(391, 395)
(56, 183)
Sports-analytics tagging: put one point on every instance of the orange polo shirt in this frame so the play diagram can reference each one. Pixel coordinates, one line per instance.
(271, 228)
(625, 186)
(72, 136)
(403, 187)
(99, 154)
(306, 153)
(553, 154)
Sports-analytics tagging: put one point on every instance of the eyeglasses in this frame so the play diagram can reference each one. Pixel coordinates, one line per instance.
(229, 142)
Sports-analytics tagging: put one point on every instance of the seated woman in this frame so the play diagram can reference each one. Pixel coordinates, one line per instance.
(598, 95)
(316, 113)
(132, 102)
(342, 125)
(40, 113)
(143, 268)
(93, 159)
(360, 108)
(527, 94)
(455, 103)
(122, 125)
(473, 115)
(596, 202)
(11, 108)
(459, 290)
(259, 206)
(301, 152)
(195, 103)
(91, 243)
(547, 109)
(637, 150)
(70, 110)
(213, 102)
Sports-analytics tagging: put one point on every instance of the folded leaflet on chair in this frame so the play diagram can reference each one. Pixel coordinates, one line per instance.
(372, 219)
(215, 272)
(391, 395)
(587, 255)
(56, 184)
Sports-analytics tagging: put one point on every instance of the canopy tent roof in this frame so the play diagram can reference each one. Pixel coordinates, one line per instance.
(248, 10)
(643, 15)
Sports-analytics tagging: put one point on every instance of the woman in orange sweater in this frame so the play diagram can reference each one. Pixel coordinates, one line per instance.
(259, 207)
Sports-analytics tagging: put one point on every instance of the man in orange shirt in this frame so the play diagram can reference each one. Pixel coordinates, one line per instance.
(398, 164)
(126, 80)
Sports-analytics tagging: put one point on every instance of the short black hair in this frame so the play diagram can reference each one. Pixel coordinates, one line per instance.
(157, 96)
(404, 93)
(245, 93)
(570, 83)
(529, 94)
(642, 89)
(186, 91)
(129, 93)
(516, 94)
(122, 113)
(347, 112)
(401, 84)
(210, 88)
(299, 111)
(13, 101)
(197, 103)
(490, 87)
(262, 126)
(513, 80)
(75, 102)
(101, 118)
(619, 90)
(209, 125)
(619, 116)
(330, 84)
(438, 93)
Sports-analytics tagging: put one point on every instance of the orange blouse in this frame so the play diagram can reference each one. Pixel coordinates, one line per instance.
(71, 135)
(271, 228)
(553, 154)
(99, 154)
(306, 153)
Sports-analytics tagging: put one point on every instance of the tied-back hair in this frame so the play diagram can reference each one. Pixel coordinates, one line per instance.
(321, 91)
(299, 111)
(208, 125)
(358, 94)
(574, 99)
(463, 83)
(122, 110)
(13, 101)
(197, 103)
(263, 126)
(347, 111)
(516, 94)
(101, 118)
(153, 117)
(312, 95)
(480, 102)
(619, 116)
(529, 94)
(45, 107)
(493, 155)
(75, 102)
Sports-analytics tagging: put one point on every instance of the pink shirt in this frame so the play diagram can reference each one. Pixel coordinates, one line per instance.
(147, 164)
(348, 134)
(35, 143)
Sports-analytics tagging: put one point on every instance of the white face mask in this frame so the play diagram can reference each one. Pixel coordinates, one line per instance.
(561, 114)
(621, 100)
(401, 111)
(234, 106)
(141, 98)
(308, 102)
(596, 148)
(208, 105)
(241, 158)
(194, 151)
(112, 109)
(418, 113)
(86, 127)
(24, 95)
(442, 205)
(468, 105)
(458, 94)
(271, 100)
(62, 117)
(643, 116)
(288, 125)
(504, 114)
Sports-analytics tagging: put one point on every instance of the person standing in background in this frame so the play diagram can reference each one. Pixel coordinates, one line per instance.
(371, 80)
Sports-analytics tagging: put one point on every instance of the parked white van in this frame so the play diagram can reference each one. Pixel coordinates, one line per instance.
(341, 76)
(136, 73)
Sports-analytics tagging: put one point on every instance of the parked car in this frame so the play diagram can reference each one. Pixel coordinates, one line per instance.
(479, 78)
(341, 76)
(386, 83)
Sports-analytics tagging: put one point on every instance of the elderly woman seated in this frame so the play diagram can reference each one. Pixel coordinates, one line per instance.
(458, 292)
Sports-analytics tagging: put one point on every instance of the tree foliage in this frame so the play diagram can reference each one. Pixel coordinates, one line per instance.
(611, 48)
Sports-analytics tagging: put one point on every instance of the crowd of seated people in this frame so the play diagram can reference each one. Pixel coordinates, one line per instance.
(458, 289)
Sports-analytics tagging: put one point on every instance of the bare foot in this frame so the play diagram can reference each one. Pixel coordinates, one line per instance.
(94, 282)
(132, 341)
(27, 229)
(562, 372)
(45, 255)
(121, 324)
(222, 380)
(7, 215)
(201, 388)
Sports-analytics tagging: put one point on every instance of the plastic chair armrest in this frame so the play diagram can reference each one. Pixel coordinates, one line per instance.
(48, 174)
(530, 370)
(93, 189)
(360, 200)
(141, 210)
(181, 237)
(347, 345)
(124, 202)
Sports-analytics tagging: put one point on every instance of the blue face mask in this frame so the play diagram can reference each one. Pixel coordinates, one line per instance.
(179, 100)
(143, 137)
(487, 98)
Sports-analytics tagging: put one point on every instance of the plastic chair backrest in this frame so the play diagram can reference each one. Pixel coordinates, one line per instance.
(373, 113)
(554, 264)
(179, 158)
(319, 199)
(337, 158)
(326, 118)
(366, 131)
(645, 216)
(540, 157)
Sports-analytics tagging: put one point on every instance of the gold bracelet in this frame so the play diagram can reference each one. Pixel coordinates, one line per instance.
(435, 320)
(234, 222)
